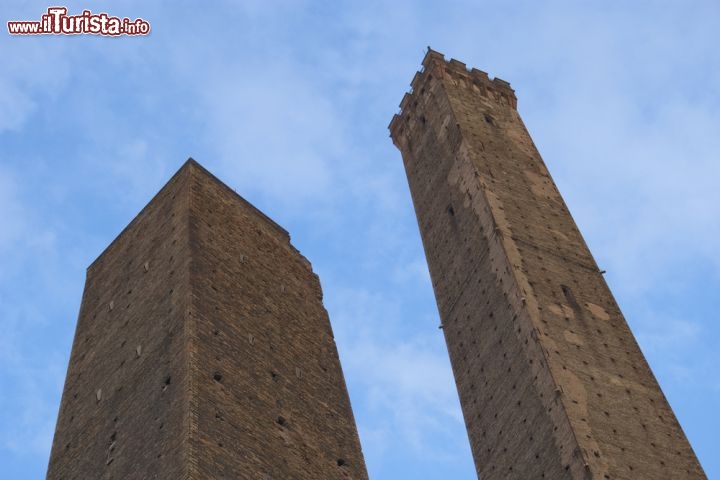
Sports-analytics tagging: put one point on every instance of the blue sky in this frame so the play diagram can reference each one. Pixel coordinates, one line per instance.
(288, 103)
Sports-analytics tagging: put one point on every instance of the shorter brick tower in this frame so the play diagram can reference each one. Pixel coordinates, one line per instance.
(551, 381)
(203, 351)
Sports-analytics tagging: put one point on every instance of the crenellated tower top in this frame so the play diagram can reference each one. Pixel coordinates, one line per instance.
(435, 66)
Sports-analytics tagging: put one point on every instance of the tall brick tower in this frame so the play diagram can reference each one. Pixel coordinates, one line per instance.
(551, 381)
(203, 351)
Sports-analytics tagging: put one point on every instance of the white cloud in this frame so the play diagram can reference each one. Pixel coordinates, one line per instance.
(132, 170)
(265, 146)
(668, 335)
(29, 405)
(34, 406)
(402, 380)
(15, 106)
(12, 212)
(414, 271)
(410, 389)
(33, 72)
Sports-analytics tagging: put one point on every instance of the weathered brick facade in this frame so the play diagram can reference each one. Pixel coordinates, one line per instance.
(203, 351)
(551, 380)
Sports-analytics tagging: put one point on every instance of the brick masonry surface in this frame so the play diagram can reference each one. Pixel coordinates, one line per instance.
(551, 380)
(203, 351)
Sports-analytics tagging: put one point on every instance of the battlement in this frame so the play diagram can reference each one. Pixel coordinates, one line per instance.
(434, 65)
(435, 61)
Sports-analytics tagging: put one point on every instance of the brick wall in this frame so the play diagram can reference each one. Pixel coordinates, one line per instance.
(551, 381)
(203, 350)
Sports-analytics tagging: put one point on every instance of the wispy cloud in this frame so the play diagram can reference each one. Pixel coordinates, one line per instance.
(400, 380)
(669, 335)
(34, 73)
(285, 153)
(11, 211)
(32, 290)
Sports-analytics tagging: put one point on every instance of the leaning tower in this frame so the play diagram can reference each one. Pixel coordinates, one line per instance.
(551, 380)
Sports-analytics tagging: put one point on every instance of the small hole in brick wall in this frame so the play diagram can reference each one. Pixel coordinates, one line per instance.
(451, 210)
(341, 462)
(281, 421)
(217, 376)
(489, 119)
(166, 382)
